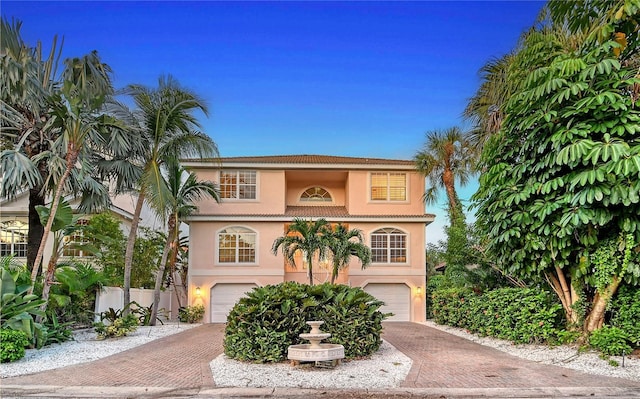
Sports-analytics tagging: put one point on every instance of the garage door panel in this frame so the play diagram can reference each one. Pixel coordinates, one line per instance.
(224, 296)
(397, 299)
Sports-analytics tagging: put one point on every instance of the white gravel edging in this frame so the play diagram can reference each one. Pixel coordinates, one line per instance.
(387, 368)
(85, 348)
(564, 356)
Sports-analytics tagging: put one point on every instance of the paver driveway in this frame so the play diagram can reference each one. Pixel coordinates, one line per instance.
(440, 360)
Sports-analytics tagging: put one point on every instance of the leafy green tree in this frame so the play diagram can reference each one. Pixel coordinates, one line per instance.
(184, 189)
(562, 175)
(309, 237)
(344, 244)
(168, 125)
(104, 233)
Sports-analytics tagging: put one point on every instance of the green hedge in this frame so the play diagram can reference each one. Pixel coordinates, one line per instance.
(516, 314)
(262, 325)
(626, 313)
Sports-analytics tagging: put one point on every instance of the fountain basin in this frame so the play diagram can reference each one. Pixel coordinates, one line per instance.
(305, 353)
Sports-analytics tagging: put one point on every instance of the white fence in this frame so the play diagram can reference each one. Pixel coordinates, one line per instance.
(113, 297)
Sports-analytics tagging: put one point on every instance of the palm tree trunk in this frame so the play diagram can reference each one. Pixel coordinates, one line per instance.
(172, 267)
(128, 255)
(72, 156)
(310, 269)
(36, 229)
(158, 285)
(160, 273)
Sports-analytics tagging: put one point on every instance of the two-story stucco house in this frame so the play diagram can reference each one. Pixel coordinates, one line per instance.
(231, 241)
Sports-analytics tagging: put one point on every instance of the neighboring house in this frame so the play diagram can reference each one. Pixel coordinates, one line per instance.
(230, 242)
(14, 225)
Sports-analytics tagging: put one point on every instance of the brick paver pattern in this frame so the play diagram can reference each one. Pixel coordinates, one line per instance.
(179, 360)
(440, 360)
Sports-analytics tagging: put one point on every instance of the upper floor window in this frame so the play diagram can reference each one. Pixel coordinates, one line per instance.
(388, 245)
(238, 184)
(13, 238)
(74, 243)
(316, 194)
(388, 186)
(237, 245)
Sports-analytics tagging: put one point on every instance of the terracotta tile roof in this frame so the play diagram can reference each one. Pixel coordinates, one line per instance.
(317, 211)
(328, 212)
(336, 211)
(308, 159)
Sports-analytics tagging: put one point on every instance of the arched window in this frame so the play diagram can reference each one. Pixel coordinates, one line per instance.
(389, 245)
(237, 245)
(13, 238)
(314, 194)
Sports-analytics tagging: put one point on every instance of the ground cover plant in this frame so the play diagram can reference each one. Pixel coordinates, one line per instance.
(263, 324)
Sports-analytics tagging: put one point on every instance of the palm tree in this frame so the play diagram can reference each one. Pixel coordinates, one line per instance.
(445, 158)
(183, 193)
(27, 80)
(343, 247)
(168, 124)
(485, 109)
(77, 115)
(309, 237)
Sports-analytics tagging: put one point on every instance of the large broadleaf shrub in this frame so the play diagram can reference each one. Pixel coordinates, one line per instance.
(262, 325)
(520, 315)
(18, 308)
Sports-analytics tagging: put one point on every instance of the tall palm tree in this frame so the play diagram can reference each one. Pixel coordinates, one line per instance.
(77, 115)
(168, 124)
(345, 243)
(311, 238)
(27, 80)
(183, 192)
(485, 109)
(445, 158)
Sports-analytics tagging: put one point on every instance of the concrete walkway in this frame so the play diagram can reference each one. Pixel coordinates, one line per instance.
(444, 365)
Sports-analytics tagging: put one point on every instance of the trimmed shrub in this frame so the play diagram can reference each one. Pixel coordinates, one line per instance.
(262, 325)
(12, 344)
(516, 314)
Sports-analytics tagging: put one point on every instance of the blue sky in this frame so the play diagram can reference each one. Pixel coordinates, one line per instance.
(364, 79)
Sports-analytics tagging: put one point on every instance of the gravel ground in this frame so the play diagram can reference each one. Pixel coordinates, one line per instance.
(387, 368)
(85, 348)
(564, 356)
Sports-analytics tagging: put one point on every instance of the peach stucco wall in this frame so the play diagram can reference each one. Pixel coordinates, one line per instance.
(270, 269)
(277, 189)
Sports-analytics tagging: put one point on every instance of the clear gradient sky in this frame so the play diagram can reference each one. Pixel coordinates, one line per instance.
(363, 79)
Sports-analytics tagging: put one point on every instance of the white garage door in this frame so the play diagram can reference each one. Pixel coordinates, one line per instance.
(397, 298)
(224, 297)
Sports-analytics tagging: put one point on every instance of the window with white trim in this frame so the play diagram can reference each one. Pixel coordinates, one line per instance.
(73, 243)
(316, 194)
(388, 186)
(237, 245)
(388, 245)
(13, 238)
(238, 184)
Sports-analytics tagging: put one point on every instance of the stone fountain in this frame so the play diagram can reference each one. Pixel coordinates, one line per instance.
(322, 354)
